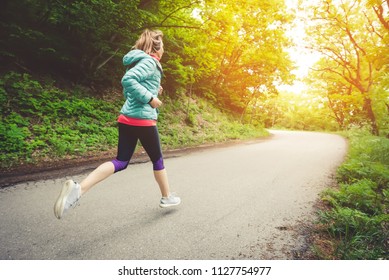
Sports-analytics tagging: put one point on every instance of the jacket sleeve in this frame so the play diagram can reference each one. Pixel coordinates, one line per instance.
(133, 78)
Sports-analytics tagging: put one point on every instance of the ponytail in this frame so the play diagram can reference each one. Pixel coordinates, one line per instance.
(150, 41)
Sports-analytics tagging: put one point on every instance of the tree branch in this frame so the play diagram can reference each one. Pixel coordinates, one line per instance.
(178, 9)
(373, 29)
(379, 11)
(107, 60)
(165, 26)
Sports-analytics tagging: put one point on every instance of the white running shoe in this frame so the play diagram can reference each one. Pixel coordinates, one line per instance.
(70, 194)
(171, 200)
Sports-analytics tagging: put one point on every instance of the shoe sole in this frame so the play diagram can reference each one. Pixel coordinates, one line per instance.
(168, 205)
(61, 200)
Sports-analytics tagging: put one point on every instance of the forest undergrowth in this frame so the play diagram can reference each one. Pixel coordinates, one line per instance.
(43, 123)
(353, 223)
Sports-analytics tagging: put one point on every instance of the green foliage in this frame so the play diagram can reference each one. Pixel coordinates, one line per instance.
(187, 122)
(230, 52)
(352, 68)
(358, 217)
(43, 123)
(297, 111)
(363, 195)
(354, 170)
(368, 158)
(220, 53)
(244, 48)
(360, 236)
(69, 39)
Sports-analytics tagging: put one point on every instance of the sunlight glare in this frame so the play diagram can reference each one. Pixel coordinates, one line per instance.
(303, 58)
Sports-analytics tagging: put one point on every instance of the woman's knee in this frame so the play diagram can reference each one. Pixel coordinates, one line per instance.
(158, 164)
(120, 165)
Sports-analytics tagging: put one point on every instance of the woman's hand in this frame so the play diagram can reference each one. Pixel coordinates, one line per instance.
(155, 103)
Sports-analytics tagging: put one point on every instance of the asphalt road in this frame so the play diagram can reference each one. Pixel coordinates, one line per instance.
(243, 201)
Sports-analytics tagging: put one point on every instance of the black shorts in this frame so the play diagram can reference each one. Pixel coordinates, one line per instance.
(128, 139)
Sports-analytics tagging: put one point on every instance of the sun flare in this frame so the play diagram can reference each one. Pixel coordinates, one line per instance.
(301, 56)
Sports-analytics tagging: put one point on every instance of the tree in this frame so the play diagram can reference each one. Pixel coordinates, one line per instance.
(344, 33)
(230, 51)
(246, 43)
(80, 41)
(381, 8)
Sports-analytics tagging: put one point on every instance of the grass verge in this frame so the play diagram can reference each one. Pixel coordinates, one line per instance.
(354, 222)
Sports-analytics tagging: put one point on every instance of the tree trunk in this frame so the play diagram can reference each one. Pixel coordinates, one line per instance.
(371, 116)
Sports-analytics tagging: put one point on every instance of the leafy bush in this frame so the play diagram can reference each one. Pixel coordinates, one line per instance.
(361, 195)
(359, 213)
(41, 121)
(359, 235)
(356, 169)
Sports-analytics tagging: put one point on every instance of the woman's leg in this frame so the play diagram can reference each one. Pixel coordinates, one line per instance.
(150, 142)
(99, 174)
(149, 138)
(126, 147)
(163, 183)
(72, 191)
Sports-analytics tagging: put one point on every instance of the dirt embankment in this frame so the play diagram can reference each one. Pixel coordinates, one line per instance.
(50, 169)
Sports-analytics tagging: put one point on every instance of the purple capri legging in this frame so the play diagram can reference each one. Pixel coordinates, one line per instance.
(128, 139)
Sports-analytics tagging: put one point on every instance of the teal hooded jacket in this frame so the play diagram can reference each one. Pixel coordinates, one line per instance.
(140, 83)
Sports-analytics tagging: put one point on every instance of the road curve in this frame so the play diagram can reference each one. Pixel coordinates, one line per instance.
(243, 201)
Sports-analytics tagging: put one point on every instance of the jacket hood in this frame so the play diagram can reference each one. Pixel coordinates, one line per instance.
(135, 56)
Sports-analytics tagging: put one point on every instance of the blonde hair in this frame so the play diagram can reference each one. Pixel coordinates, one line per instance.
(150, 41)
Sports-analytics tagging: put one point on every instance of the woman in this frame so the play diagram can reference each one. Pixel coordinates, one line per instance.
(137, 121)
